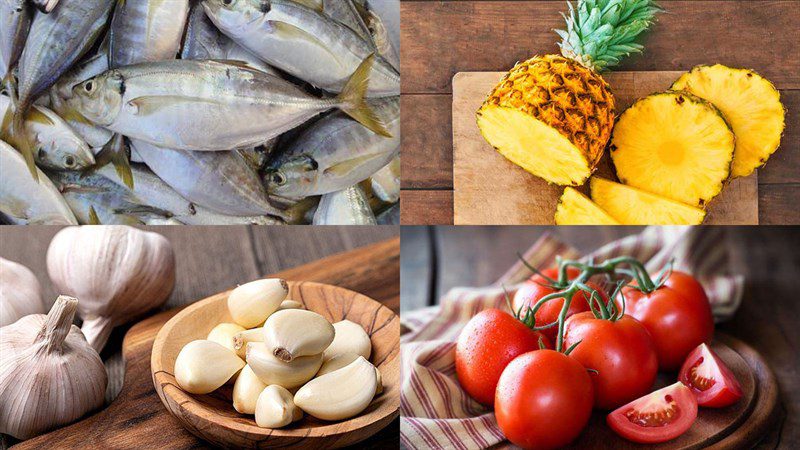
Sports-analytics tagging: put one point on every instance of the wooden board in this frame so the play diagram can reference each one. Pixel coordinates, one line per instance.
(490, 190)
(138, 419)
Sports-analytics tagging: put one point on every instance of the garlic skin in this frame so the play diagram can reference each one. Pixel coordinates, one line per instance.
(343, 360)
(20, 293)
(340, 394)
(290, 304)
(241, 339)
(223, 334)
(246, 391)
(272, 370)
(118, 272)
(251, 303)
(350, 338)
(203, 366)
(297, 332)
(49, 375)
(275, 408)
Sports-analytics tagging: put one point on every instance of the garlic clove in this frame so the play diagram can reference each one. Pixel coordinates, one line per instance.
(378, 382)
(340, 394)
(246, 390)
(241, 339)
(290, 304)
(251, 303)
(223, 334)
(275, 408)
(297, 332)
(350, 338)
(203, 366)
(21, 293)
(272, 370)
(343, 360)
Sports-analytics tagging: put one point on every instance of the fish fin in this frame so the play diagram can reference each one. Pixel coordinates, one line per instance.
(93, 218)
(137, 209)
(311, 4)
(151, 104)
(348, 165)
(12, 129)
(236, 63)
(13, 208)
(287, 31)
(45, 6)
(353, 103)
(71, 114)
(114, 152)
(38, 116)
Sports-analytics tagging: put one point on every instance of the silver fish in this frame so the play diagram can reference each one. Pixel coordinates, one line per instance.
(15, 20)
(385, 183)
(384, 42)
(334, 153)
(151, 190)
(146, 31)
(56, 145)
(207, 217)
(207, 105)
(24, 201)
(220, 181)
(345, 12)
(390, 216)
(302, 42)
(346, 207)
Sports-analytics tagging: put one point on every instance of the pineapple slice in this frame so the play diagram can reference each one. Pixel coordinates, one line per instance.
(632, 206)
(750, 104)
(673, 144)
(575, 208)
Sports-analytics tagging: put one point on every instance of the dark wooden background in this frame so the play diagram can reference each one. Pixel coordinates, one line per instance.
(435, 259)
(210, 260)
(443, 37)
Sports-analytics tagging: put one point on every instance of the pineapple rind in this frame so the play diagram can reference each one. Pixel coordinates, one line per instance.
(673, 144)
(751, 105)
(632, 206)
(574, 208)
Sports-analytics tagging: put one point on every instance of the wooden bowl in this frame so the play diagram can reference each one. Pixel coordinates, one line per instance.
(212, 417)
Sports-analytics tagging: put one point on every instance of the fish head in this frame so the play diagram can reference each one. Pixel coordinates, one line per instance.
(293, 178)
(235, 16)
(99, 99)
(64, 150)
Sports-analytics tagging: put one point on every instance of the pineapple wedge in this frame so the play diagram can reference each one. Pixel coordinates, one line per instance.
(632, 206)
(673, 144)
(750, 104)
(575, 208)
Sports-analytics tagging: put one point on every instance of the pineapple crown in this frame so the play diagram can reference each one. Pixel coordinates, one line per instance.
(600, 33)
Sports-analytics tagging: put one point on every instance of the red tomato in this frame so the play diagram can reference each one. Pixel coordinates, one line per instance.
(536, 288)
(544, 400)
(677, 315)
(621, 352)
(709, 379)
(486, 345)
(657, 417)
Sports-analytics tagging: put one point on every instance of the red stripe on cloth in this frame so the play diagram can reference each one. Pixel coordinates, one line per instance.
(445, 393)
(430, 410)
(406, 442)
(424, 433)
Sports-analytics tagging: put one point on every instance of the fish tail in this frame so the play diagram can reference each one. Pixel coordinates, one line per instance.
(114, 152)
(352, 102)
(12, 129)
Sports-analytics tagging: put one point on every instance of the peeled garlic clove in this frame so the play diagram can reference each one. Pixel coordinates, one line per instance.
(275, 408)
(246, 390)
(250, 304)
(350, 338)
(20, 294)
(340, 394)
(272, 370)
(203, 366)
(241, 339)
(343, 360)
(223, 334)
(379, 382)
(290, 304)
(297, 332)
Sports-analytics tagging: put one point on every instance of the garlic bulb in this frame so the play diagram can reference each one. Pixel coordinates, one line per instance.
(350, 338)
(340, 394)
(223, 334)
(241, 339)
(272, 370)
(20, 293)
(297, 332)
(49, 375)
(203, 366)
(275, 408)
(118, 272)
(246, 390)
(250, 304)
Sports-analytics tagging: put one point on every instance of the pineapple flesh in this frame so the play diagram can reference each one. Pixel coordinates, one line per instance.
(673, 144)
(631, 206)
(750, 104)
(575, 208)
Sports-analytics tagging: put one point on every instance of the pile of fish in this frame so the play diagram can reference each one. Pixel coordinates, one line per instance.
(200, 112)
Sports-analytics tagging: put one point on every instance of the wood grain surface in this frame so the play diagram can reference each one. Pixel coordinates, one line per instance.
(442, 38)
(768, 319)
(210, 260)
(491, 190)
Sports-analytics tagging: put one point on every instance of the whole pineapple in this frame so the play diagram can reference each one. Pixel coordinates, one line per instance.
(552, 115)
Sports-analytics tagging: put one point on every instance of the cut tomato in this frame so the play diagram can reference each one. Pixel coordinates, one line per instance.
(710, 380)
(657, 417)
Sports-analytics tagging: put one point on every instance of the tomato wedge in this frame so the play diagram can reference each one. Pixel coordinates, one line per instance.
(657, 417)
(710, 380)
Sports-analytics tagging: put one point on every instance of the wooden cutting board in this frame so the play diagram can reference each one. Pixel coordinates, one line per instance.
(137, 418)
(490, 190)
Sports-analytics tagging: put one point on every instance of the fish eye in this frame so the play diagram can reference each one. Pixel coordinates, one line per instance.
(89, 86)
(278, 178)
(265, 7)
(42, 153)
(69, 161)
(227, 2)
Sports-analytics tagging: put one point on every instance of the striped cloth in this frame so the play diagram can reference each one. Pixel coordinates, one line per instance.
(437, 414)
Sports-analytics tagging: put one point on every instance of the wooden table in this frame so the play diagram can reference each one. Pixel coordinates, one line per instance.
(441, 38)
(211, 260)
(437, 259)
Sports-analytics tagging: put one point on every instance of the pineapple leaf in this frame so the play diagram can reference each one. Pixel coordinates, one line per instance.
(599, 33)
